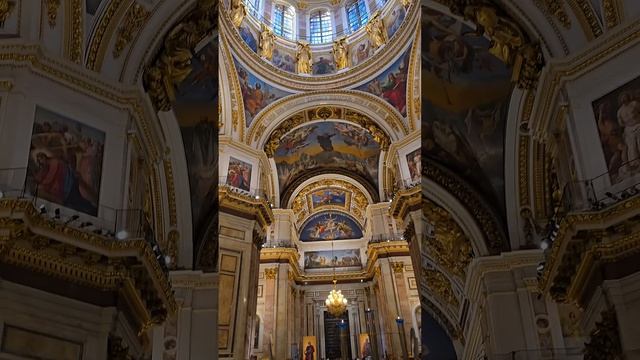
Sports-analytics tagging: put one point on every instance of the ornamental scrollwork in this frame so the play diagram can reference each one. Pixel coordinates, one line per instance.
(173, 63)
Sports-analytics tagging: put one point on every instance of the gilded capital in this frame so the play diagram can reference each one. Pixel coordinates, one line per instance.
(271, 273)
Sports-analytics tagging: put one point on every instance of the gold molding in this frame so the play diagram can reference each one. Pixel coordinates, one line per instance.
(271, 273)
(608, 251)
(405, 201)
(102, 32)
(75, 34)
(241, 203)
(30, 238)
(134, 20)
(52, 11)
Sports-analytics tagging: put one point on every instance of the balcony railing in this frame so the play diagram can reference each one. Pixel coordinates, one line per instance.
(280, 244)
(256, 193)
(111, 222)
(380, 238)
(600, 192)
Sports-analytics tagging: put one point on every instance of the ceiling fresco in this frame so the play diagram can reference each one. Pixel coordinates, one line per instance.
(326, 147)
(256, 94)
(465, 98)
(329, 193)
(391, 84)
(196, 111)
(330, 225)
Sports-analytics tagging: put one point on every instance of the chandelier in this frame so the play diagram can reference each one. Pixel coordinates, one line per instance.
(336, 302)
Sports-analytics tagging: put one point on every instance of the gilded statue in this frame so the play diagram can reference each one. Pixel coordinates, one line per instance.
(376, 31)
(340, 53)
(238, 12)
(506, 37)
(267, 41)
(175, 67)
(303, 58)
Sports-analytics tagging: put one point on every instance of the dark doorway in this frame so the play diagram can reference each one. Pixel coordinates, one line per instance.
(332, 335)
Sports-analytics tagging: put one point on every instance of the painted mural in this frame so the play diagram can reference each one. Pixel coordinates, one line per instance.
(329, 259)
(65, 162)
(256, 94)
(618, 118)
(395, 20)
(196, 109)
(323, 65)
(330, 225)
(327, 146)
(414, 163)
(239, 174)
(391, 85)
(284, 60)
(361, 51)
(465, 98)
(248, 37)
(324, 197)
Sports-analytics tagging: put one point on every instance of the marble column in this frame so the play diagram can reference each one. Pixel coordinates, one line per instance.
(270, 275)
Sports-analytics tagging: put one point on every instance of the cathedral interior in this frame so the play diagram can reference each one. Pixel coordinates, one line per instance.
(319, 179)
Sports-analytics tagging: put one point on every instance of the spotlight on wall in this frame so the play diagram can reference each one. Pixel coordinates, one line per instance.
(122, 235)
(43, 209)
(544, 245)
(257, 197)
(167, 260)
(540, 267)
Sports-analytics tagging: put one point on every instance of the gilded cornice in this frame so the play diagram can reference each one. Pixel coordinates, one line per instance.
(374, 252)
(584, 239)
(85, 258)
(244, 204)
(406, 201)
(370, 67)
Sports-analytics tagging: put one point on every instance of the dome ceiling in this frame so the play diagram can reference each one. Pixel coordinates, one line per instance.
(465, 98)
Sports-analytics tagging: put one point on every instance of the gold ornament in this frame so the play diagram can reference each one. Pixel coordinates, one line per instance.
(340, 53)
(238, 12)
(376, 31)
(303, 58)
(267, 40)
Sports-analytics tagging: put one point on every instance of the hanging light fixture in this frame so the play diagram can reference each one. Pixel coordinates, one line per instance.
(336, 302)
